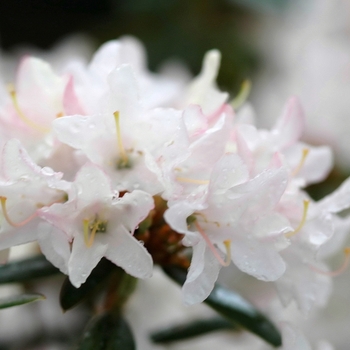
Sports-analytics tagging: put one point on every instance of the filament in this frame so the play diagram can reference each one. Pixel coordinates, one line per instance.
(119, 139)
(227, 244)
(338, 271)
(6, 216)
(242, 95)
(302, 221)
(305, 153)
(22, 116)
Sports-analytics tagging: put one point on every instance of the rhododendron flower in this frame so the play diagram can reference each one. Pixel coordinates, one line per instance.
(99, 223)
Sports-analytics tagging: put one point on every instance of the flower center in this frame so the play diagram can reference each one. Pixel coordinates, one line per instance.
(91, 227)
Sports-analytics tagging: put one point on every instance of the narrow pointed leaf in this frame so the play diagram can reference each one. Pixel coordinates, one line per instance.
(71, 296)
(191, 329)
(107, 332)
(235, 308)
(24, 270)
(21, 299)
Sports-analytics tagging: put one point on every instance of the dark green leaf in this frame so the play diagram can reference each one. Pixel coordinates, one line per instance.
(71, 296)
(107, 332)
(235, 308)
(27, 269)
(191, 329)
(15, 300)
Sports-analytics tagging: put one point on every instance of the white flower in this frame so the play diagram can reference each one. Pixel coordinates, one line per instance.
(99, 224)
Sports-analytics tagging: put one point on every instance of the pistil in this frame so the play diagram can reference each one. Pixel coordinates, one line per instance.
(7, 218)
(217, 255)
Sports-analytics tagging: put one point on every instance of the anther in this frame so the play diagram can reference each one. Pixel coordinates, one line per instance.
(302, 221)
(7, 218)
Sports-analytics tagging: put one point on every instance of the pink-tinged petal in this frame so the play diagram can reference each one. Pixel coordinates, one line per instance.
(289, 127)
(55, 246)
(39, 91)
(257, 258)
(83, 259)
(243, 149)
(124, 95)
(338, 200)
(195, 121)
(127, 252)
(134, 207)
(228, 172)
(207, 149)
(93, 184)
(4, 255)
(71, 103)
(202, 275)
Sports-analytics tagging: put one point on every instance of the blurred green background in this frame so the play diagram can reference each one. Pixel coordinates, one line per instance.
(181, 29)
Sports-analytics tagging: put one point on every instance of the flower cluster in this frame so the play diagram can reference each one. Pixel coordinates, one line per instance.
(110, 160)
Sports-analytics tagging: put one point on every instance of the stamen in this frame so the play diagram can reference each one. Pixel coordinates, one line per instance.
(242, 95)
(120, 141)
(86, 231)
(227, 244)
(22, 116)
(338, 271)
(90, 230)
(7, 218)
(192, 181)
(302, 221)
(305, 153)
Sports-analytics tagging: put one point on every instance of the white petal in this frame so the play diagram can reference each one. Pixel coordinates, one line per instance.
(54, 245)
(229, 171)
(294, 339)
(93, 184)
(202, 275)
(257, 258)
(127, 252)
(338, 200)
(83, 259)
(124, 95)
(135, 207)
